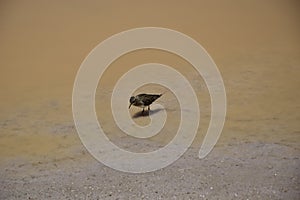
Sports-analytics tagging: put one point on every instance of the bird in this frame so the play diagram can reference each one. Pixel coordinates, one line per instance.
(143, 100)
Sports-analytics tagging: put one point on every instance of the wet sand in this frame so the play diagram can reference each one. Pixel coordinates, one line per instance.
(256, 48)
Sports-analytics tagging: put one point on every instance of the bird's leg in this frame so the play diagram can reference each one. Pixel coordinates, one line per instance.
(143, 110)
(148, 108)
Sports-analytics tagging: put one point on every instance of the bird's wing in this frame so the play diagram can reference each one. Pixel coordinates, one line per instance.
(150, 98)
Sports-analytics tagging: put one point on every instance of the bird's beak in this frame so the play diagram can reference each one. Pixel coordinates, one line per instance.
(129, 106)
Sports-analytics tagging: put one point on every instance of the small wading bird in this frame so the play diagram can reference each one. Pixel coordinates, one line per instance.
(143, 100)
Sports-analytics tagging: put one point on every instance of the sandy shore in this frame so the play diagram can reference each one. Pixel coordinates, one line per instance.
(256, 48)
(236, 171)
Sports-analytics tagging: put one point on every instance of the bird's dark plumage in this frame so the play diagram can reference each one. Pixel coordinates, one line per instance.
(143, 100)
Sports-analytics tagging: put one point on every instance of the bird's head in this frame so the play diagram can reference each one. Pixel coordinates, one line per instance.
(131, 101)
